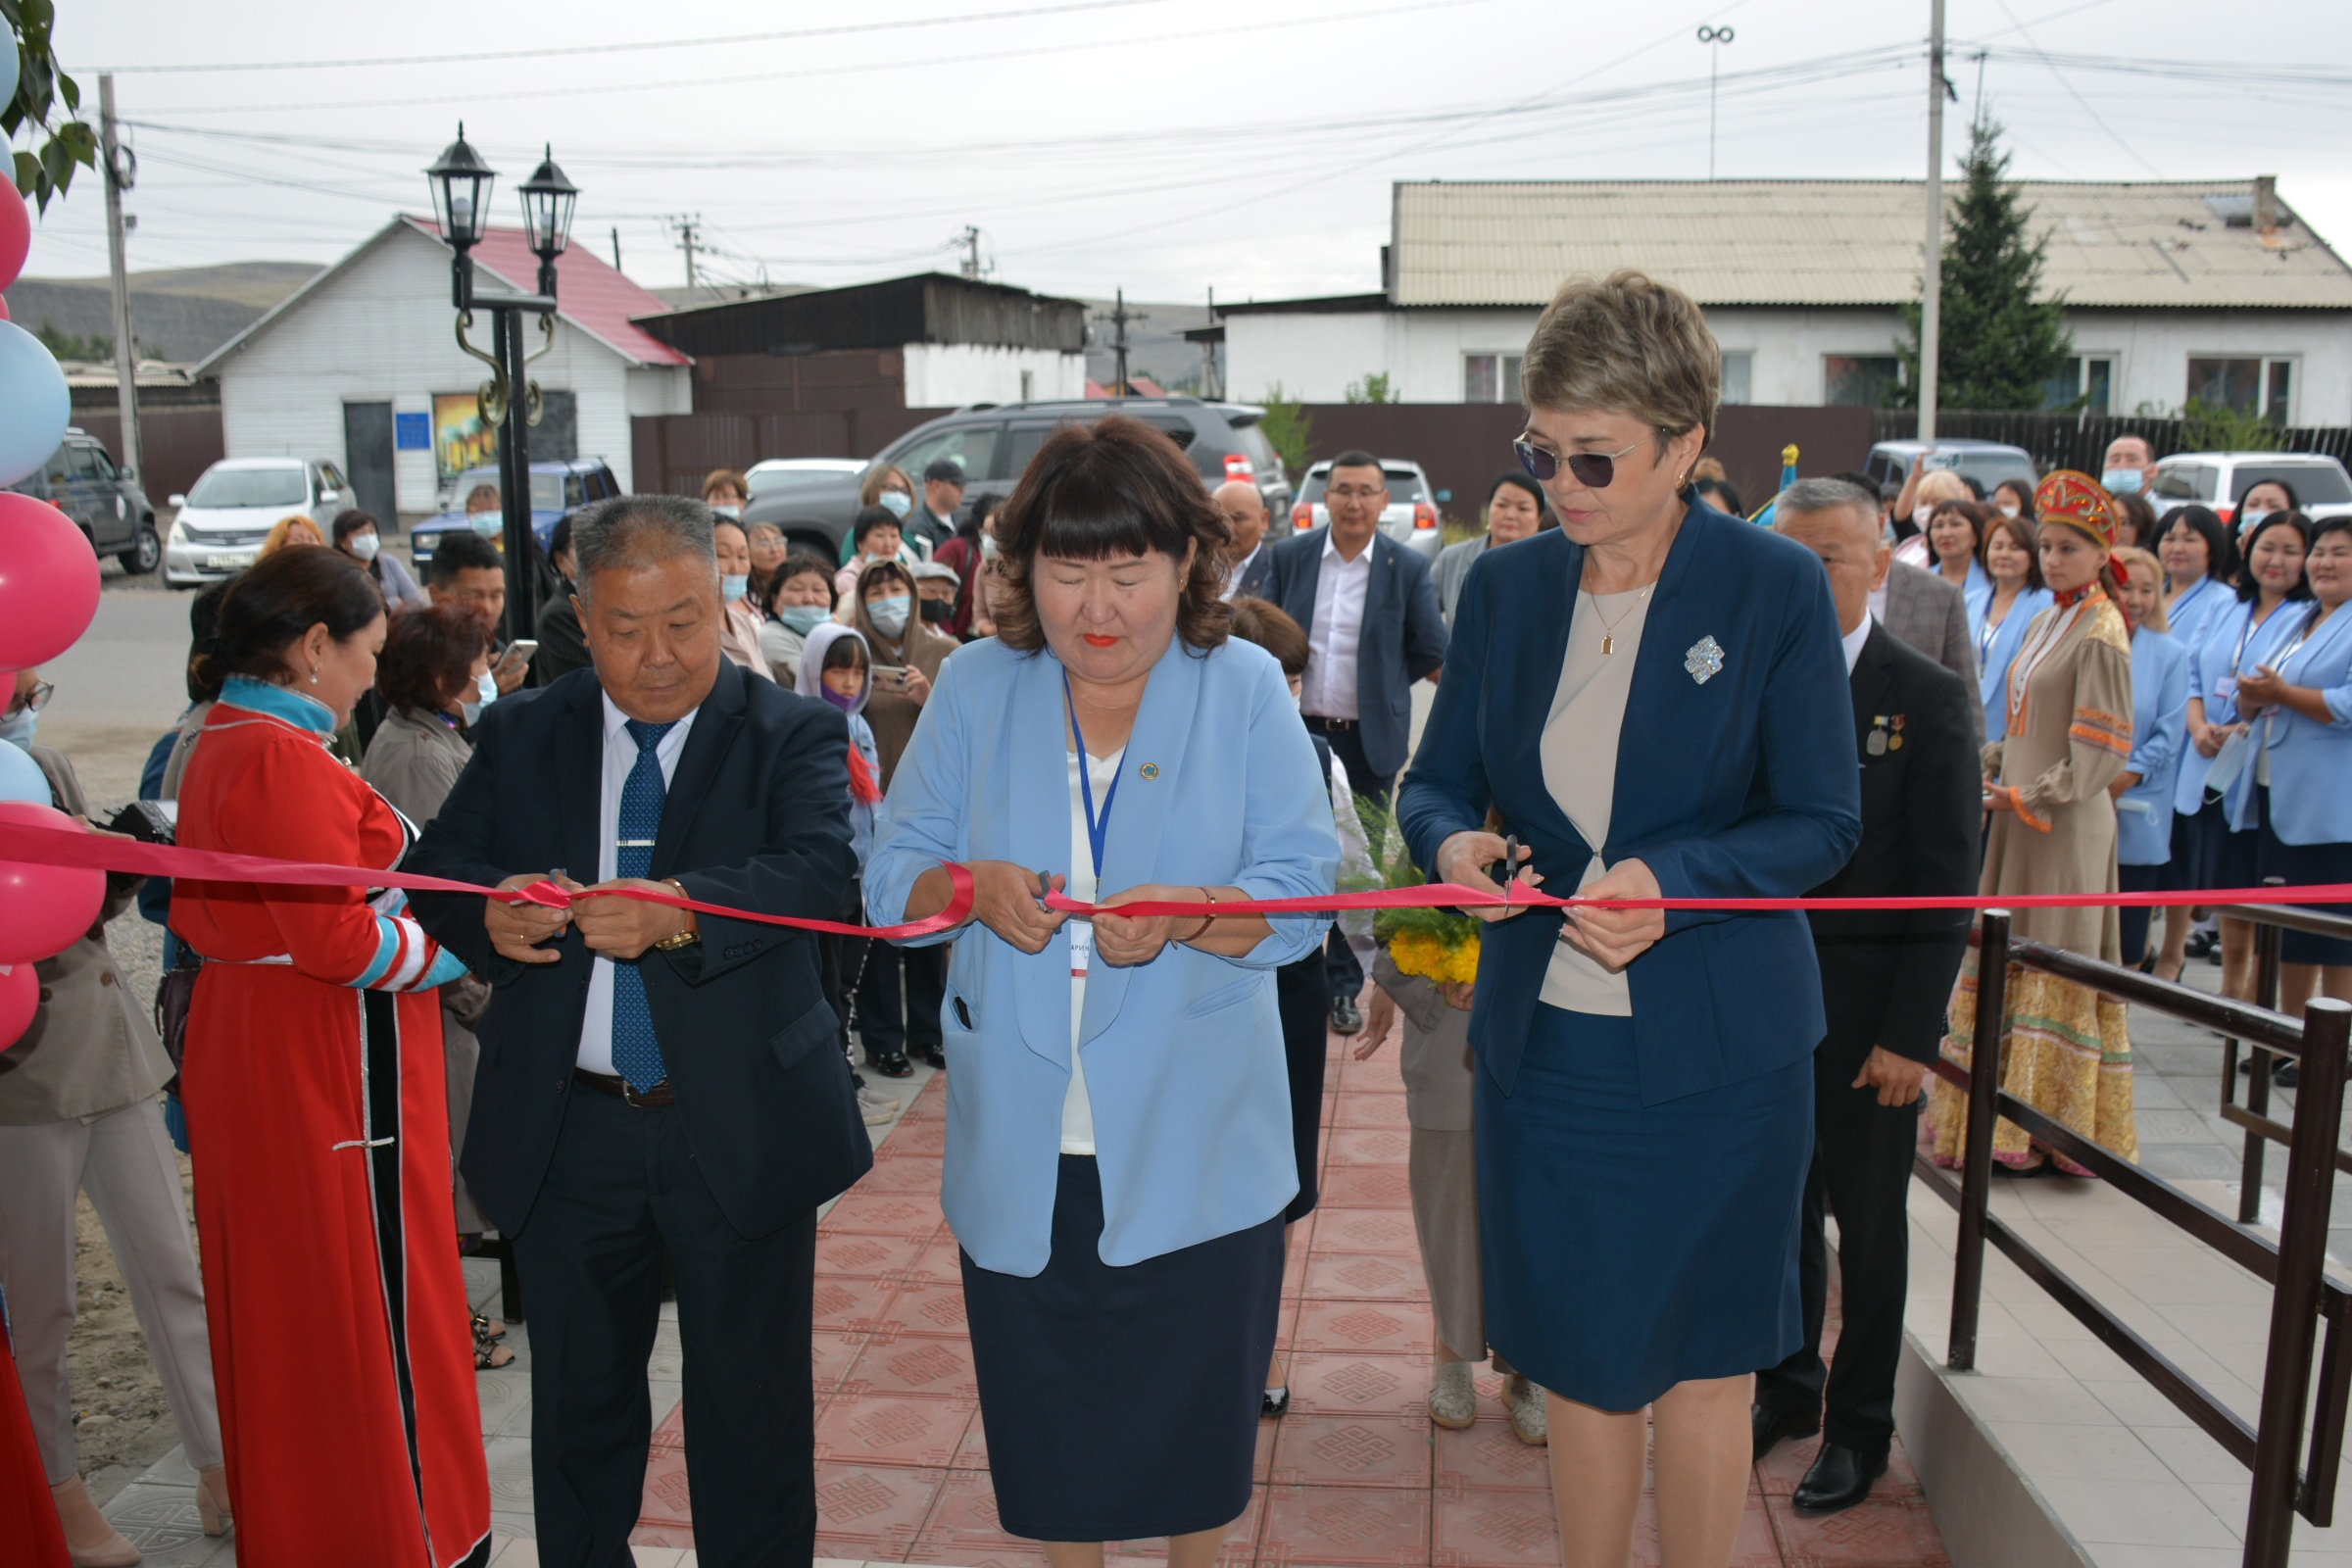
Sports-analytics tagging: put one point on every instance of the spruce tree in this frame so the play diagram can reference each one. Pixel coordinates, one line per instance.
(2000, 345)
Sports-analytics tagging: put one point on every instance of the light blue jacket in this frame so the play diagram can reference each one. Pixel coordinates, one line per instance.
(2190, 615)
(1184, 1059)
(2311, 762)
(2214, 661)
(1976, 593)
(1994, 657)
(2143, 817)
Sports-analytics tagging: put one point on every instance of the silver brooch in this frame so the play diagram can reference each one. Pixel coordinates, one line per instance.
(1704, 661)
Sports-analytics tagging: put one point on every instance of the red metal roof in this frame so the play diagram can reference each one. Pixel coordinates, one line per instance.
(595, 298)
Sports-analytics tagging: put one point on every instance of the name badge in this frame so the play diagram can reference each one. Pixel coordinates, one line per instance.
(1082, 947)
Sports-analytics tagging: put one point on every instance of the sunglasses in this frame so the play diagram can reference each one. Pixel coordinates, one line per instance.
(1592, 470)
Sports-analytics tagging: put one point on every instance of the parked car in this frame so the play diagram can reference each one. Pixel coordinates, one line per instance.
(781, 476)
(1410, 516)
(236, 502)
(2220, 481)
(81, 482)
(995, 441)
(558, 486)
(1987, 463)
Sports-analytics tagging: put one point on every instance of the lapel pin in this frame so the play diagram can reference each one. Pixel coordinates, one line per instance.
(1147, 772)
(1704, 661)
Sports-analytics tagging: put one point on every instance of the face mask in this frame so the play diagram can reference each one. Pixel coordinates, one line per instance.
(728, 510)
(802, 619)
(731, 585)
(889, 615)
(938, 610)
(988, 547)
(1919, 517)
(487, 523)
(846, 705)
(364, 545)
(485, 691)
(2247, 521)
(2122, 481)
(2008, 509)
(898, 504)
(19, 725)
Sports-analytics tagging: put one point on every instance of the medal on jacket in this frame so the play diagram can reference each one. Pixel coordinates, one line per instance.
(1876, 742)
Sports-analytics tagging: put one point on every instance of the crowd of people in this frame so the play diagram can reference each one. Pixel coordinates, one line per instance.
(1120, 686)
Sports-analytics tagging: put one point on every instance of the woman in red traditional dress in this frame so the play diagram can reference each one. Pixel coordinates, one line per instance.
(316, 1099)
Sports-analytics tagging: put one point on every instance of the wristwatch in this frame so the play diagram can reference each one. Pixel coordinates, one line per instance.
(686, 938)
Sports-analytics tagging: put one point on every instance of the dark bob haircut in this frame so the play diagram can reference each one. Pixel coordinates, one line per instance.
(273, 604)
(348, 522)
(1117, 488)
(429, 658)
(2249, 590)
(2221, 550)
(1270, 626)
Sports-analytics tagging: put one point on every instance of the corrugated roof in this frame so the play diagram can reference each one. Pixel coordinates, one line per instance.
(1843, 242)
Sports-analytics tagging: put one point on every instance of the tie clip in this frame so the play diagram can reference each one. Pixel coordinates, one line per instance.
(633, 844)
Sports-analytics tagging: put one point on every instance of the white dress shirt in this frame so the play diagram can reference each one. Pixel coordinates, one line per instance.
(1077, 1106)
(1853, 640)
(620, 758)
(1340, 585)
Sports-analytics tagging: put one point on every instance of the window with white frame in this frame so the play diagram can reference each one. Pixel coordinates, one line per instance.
(2084, 383)
(2245, 384)
(1738, 376)
(1491, 377)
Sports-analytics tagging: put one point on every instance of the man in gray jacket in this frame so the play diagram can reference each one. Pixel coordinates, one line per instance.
(1930, 614)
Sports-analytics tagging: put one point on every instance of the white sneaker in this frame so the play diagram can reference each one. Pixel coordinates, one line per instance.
(1531, 1418)
(880, 1109)
(1453, 1397)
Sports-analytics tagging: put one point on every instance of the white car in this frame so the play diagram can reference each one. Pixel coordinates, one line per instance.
(2220, 481)
(222, 522)
(1410, 517)
(780, 475)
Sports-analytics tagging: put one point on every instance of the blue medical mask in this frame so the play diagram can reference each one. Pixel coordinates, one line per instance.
(726, 509)
(2251, 518)
(485, 691)
(898, 504)
(802, 619)
(19, 725)
(731, 586)
(487, 523)
(889, 615)
(2124, 481)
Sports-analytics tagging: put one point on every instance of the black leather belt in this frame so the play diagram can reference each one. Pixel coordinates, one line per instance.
(1314, 720)
(618, 1088)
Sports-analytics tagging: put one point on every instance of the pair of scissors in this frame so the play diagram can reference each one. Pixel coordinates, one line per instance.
(1510, 867)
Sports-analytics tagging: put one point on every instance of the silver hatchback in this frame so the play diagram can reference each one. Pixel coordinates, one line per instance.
(1410, 517)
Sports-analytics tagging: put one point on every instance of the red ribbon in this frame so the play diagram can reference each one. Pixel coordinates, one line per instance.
(51, 846)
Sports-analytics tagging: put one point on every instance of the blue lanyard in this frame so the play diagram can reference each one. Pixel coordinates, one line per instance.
(1098, 828)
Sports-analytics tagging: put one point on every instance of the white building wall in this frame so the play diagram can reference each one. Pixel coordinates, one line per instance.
(1311, 356)
(381, 330)
(2152, 350)
(949, 375)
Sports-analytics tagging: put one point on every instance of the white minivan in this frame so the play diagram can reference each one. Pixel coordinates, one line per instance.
(222, 522)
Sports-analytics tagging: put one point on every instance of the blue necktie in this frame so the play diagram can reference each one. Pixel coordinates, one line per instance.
(636, 1053)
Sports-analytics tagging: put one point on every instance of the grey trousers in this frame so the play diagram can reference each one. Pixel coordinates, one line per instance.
(123, 1160)
(1443, 1178)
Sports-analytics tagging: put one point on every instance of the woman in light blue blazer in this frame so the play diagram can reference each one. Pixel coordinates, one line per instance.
(2012, 559)
(2144, 790)
(2199, 562)
(1119, 1145)
(2303, 778)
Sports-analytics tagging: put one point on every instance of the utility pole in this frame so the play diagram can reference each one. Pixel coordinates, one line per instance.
(1716, 37)
(122, 172)
(1931, 295)
(617, 247)
(689, 232)
(1211, 384)
(969, 239)
(1118, 317)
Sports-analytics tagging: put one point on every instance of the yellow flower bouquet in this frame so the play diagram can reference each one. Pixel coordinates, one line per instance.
(1438, 945)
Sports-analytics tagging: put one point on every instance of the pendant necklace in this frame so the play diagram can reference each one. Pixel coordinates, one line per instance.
(1608, 628)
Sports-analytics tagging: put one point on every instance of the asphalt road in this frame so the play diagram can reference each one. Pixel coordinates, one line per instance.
(119, 688)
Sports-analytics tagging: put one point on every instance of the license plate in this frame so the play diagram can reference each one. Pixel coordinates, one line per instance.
(228, 561)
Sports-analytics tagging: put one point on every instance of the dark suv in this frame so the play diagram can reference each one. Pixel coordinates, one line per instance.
(82, 480)
(995, 441)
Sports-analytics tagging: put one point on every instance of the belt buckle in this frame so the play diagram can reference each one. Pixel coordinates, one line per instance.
(630, 1096)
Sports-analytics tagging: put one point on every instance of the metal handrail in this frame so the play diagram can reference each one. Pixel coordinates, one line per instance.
(2302, 1297)
(2262, 1128)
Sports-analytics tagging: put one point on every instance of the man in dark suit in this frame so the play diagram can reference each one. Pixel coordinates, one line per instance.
(1373, 628)
(1251, 557)
(1885, 980)
(656, 1084)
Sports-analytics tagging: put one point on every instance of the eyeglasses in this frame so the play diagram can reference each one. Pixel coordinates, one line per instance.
(34, 700)
(1592, 470)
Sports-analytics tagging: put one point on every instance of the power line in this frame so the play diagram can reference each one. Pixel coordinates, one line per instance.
(2081, 102)
(638, 46)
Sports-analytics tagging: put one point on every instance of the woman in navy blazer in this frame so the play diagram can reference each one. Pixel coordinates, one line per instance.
(1119, 1148)
(1653, 698)
(2304, 783)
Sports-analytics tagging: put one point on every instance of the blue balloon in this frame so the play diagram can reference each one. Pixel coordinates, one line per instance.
(9, 66)
(20, 777)
(35, 405)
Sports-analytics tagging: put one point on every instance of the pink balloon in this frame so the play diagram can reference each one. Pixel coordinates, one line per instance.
(16, 235)
(44, 909)
(48, 579)
(19, 999)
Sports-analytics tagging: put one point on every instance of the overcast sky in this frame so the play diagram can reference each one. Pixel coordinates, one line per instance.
(1164, 146)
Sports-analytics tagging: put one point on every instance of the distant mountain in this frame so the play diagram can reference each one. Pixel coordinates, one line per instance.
(178, 315)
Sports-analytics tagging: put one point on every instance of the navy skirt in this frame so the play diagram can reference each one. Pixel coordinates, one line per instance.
(2220, 857)
(2304, 866)
(1122, 1403)
(1629, 1248)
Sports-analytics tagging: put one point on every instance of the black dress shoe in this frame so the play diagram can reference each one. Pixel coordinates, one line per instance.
(936, 1056)
(1344, 1018)
(1840, 1478)
(1277, 1402)
(1771, 1424)
(893, 1065)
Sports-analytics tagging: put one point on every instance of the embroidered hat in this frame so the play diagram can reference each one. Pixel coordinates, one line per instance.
(2077, 501)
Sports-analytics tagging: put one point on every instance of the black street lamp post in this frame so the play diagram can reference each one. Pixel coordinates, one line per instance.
(508, 403)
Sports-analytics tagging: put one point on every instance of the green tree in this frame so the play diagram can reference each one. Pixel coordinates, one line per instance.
(94, 348)
(1288, 428)
(1373, 388)
(46, 102)
(2001, 344)
(2212, 428)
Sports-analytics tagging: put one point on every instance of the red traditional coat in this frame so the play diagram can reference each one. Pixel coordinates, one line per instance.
(319, 1123)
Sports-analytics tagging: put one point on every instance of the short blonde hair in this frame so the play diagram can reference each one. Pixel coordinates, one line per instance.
(1940, 486)
(2137, 560)
(1628, 344)
(279, 535)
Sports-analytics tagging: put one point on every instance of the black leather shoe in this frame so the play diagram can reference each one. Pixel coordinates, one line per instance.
(893, 1065)
(1771, 1424)
(1277, 1402)
(1840, 1478)
(936, 1056)
(1344, 1018)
